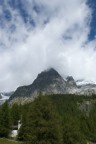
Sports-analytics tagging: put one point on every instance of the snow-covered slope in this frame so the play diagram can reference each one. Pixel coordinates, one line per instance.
(4, 96)
(84, 82)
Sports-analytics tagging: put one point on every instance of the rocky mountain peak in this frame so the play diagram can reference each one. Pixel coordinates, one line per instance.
(50, 82)
(47, 78)
(71, 81)
(47, 82)
(69, 78)
(49, 73)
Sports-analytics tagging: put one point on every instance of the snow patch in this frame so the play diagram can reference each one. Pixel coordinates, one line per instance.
(84, 82)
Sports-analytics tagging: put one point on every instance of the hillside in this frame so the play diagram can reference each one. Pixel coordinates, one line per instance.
(71, 117)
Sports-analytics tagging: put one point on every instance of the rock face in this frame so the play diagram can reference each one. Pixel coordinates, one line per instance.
(50, 82)
(70, 81)
(87, 90)
(47, 82)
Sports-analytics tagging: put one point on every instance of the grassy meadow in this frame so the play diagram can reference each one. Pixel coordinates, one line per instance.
(5, 141)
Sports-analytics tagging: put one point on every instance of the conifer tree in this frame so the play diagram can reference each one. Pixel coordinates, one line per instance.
(15, 114)
(42, 125)
(4, 120)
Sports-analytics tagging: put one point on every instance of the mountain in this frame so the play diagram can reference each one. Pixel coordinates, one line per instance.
(47, 82)
(87, 89)
(5, 96)
(51, 82)
(0, 97)
(70, 81)
(7, 93)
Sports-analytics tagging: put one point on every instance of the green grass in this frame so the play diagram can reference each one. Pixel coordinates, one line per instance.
(5, 141)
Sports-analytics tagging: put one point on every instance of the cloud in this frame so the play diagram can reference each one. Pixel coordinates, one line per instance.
(58, 39)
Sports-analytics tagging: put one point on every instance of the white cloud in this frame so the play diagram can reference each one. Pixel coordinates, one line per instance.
(60, 43)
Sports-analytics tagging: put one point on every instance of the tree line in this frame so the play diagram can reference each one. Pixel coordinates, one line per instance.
(52, 119)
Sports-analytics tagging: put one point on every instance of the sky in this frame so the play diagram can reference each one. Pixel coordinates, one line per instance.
(36, 35)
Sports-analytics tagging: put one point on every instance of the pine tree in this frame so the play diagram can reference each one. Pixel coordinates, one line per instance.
(4, 120)
(42, 123)
(15, 114)
(72, 133)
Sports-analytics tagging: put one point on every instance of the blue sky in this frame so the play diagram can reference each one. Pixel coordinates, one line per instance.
(38, 34)
(92, 4)
(19, 6)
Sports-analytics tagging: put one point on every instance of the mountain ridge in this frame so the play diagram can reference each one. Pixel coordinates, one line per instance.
(51, 82)
(47, 82)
